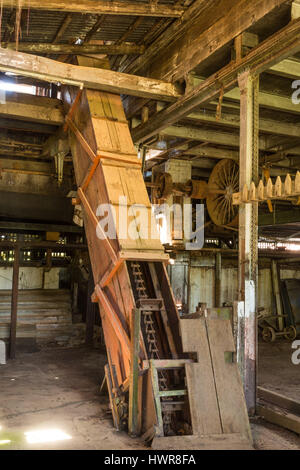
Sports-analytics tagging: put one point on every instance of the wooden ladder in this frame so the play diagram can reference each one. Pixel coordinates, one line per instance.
(165, 406)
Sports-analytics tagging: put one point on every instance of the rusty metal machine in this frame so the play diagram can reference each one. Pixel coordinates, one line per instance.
(218, 191)
(167, 377)
(222, 195)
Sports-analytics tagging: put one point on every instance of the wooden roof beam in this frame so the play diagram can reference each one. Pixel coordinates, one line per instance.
(134, 25)
(205, 29)
(32, 108)
(21, 125)
(232, 121)
(288, 68)
(207, 135)
(276, 101)
(273, 50)
(101, 7)
(50, 70)
(62, 29)
(94, 29)
(48, 48)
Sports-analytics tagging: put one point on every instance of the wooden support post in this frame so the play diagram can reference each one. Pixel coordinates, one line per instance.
(276, 293)
(14, 304)
(133, 421)
(248, 235)
(90, 311)
(218, 274)
(155, 387)
(75, 297)
(238, 321)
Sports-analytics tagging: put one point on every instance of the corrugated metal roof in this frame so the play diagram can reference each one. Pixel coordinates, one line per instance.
(41, 26)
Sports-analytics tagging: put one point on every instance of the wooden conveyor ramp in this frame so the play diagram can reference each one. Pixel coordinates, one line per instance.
(180, 400)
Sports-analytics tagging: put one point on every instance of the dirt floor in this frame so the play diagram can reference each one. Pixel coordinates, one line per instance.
(276, 371)
(59, 389)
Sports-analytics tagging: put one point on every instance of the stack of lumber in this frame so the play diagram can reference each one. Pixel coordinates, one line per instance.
(44, 315)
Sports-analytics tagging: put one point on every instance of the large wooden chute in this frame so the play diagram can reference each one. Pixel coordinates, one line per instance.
(153, 385)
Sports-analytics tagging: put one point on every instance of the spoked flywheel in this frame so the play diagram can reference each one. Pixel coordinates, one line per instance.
(223, 183)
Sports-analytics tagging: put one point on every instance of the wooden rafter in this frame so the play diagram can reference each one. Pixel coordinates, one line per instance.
(99, 79)
(134, 25)
(273, 50)
(176, 29)
(62, 29)
(206, 29)
(275, 100)
(46, 48)
(95, 28)
(232, 121)
(99, 7)
(33, 109)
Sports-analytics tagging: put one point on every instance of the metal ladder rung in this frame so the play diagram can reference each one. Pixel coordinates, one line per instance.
(172, 405)
(167, 363)
(172, 393)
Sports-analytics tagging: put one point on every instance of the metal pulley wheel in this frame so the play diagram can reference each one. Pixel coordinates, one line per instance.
(290, 333)
(269, 334)
(165, 186)
(222, 184)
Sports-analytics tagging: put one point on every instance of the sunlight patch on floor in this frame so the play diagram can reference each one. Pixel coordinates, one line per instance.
(46, 435)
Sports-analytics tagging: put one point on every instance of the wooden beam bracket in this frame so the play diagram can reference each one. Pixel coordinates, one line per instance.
(94, 219)
(130, 158)
(73, 108)
(90, 173)
(114, 319)
(105, 280)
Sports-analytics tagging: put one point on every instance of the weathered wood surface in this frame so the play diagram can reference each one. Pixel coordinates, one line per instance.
(274, 100)
(269, 126)
(277, 399)
(232, 405)
(200, 380)
(216, 396)
(100, 118)
(44, 316)
(248, 235)
(99, 8)
(32, 108)
(274, 49)
(107, 169)
(172, 33)
(279, 416)
(134, 410)
(14, 304)
(206, 28)
(97, 79)
(46, 48)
